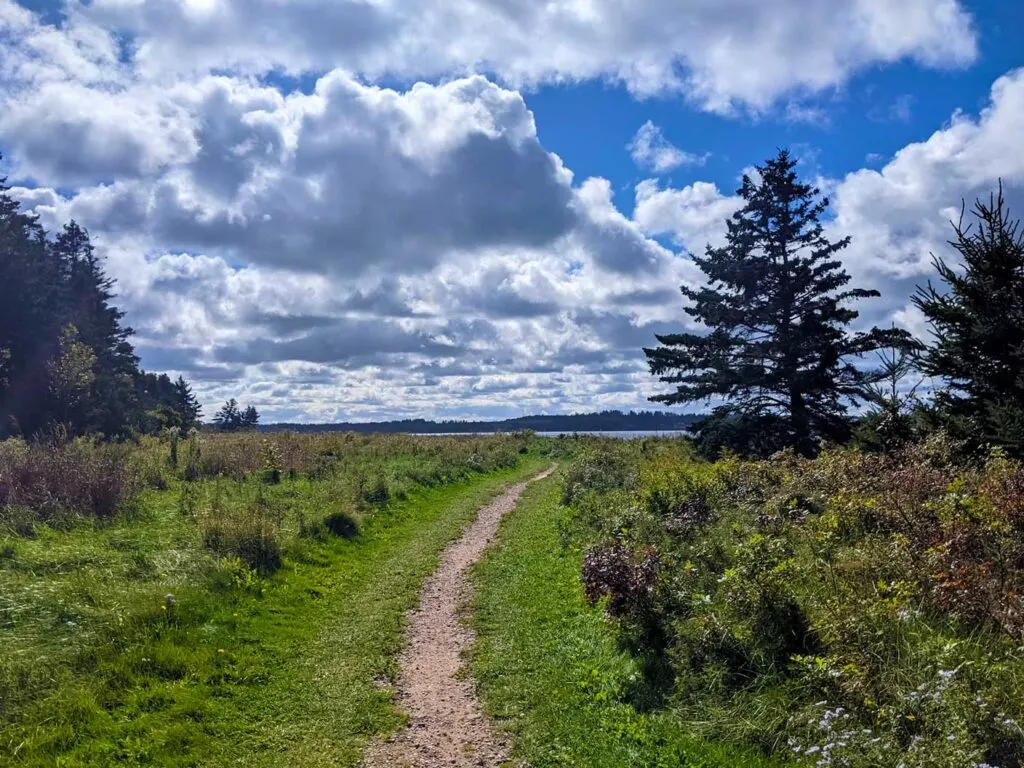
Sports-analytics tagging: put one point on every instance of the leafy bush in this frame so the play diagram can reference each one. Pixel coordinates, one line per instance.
(601, 470)
(855, 609)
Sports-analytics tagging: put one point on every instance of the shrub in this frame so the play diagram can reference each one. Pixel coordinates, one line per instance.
(843, 588)
(376, 493)
(339, 524)
(629, 580)
(251, 533)
(342, 525)
(56, 479)
(598, 471)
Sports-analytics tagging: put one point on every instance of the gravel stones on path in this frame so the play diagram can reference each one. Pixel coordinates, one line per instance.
(447, 726)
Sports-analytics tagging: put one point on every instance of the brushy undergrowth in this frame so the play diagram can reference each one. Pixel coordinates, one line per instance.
(550, 669)
(852, 610)
(128, 571)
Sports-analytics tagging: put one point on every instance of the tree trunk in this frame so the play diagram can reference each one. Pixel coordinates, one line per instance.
(803, 443)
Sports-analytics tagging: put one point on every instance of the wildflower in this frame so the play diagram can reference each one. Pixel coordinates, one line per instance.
(220, 650)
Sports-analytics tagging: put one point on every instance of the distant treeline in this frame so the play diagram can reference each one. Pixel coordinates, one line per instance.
(605, 421)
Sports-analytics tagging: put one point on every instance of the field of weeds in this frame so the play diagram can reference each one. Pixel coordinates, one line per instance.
(851, 610)
(148, 591)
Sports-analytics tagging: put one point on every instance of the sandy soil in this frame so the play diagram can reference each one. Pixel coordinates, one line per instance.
(447, 726)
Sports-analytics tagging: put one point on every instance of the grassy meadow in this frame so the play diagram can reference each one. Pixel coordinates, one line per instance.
(224, 600)
(220, 599)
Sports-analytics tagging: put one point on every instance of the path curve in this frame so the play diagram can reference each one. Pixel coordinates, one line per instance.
(447, 726)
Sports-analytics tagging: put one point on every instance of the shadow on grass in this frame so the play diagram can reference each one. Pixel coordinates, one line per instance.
(342, 525)
(652, 689)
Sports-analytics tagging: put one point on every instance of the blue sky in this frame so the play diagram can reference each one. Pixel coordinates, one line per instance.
(877, 112)
(342, 209)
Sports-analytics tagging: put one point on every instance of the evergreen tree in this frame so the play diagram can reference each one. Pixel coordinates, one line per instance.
(250, 418)
(231, 418)
(187, 404)
(228, 418)
(65, 356)
(977, 322)
(778, 352)
(166, 403)
(111, 407)
(30, 290)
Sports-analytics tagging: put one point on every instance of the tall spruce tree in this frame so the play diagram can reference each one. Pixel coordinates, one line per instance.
(977, 321)
(186, 404)
(778, 352)
(30, 291)
(229, 417)
(111, 407)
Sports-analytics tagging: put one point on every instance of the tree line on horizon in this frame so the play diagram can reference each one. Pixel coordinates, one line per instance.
(599, 421)
(783, 368)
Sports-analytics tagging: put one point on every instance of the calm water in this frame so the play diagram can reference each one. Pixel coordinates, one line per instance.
(620, 434)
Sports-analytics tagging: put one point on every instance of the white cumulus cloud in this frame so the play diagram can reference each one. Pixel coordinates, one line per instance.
(653, 152)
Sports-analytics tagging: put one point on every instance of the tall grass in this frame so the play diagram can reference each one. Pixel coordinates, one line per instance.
(51, 480)
(119, 563)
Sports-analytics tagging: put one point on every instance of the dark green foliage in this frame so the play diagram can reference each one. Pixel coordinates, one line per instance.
(870, 606)
(230, 418)
(31, 280)
(376, 493)
(65, 356)
(166, 403)
(778, 351)
(342, 525)
(977, 321)
(747, 434)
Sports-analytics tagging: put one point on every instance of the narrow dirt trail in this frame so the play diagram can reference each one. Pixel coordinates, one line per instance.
(447, 726)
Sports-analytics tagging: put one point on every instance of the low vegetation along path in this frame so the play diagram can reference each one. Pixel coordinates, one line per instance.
(447, 726)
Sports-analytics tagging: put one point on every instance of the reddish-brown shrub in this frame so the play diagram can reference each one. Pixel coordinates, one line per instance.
(53, 479)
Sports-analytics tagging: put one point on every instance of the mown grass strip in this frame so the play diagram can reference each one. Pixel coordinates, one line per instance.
(549, 667)
(286, 675)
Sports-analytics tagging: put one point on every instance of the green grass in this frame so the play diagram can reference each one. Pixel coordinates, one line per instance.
(549, 667)
(242, 670)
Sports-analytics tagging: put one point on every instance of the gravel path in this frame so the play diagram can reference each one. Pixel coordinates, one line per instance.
(447, 726)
